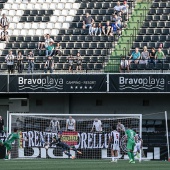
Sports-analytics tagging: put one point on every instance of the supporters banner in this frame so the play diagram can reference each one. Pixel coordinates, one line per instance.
(139, 83)
(57, 83)
(3, 83)
(71, 138)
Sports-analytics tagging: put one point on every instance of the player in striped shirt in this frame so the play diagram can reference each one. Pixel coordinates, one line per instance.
(138, 145)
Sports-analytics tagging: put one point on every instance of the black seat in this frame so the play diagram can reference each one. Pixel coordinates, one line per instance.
(4, 52)
(103, 38)
(153, 24)
(166, 66)
(147, 38)
(70, 45)
(16, 45)
(41, 12)
(158, 31)
(155, 5)
(102, 11)
(166, 11)
(106, 5)
(58, 66)
(89, 52)
(80, 12)
(8, 46)
(150, 66)
(98, 5)
(4, 66)
(83, 5)
(95, 12)
(66, 66)
(65, 38)
(81, 38)
(20, 39)
(167, 45)
(58, 38)
(141, 66)
(162, 5)
(30, 19)
(90, 66)
(98, 66)
(149, 18)
(150, 31)
(88, 38)
(82, 52)
(85, 45)
(69, 32)
(76, 31)
(38, 19)
(90, 5)
(28, 39)
(77, 45)
(158, 66)
(96, 52)
(139, 38)
(24, 45)
(33, 12)
(152, 11)
(165, 31)
(63, 59)
(161, 24)
(73, 38)
(133, 66)
(93, 45)
(66, 52)
(167, 24)
(98, 18)
(101, 45)
(23, 19)
(159, 11)
(164, 18)
(95, 38)
(46, 19)
(86, 59)
(48, 12)
(26, 12)
(31, 45)
(156, 18)
(142, 31)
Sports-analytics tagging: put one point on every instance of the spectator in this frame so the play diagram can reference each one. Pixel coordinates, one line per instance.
(4, 35)
(97, 125)
(100, 29)
(107, 28)
(70, 62)
(124, 64)
(19, 62)
(125, 8)
(118, 9)
(1, 126)
(94, 29)
(4, 21)
(49, 49)
(10, 62)
(152, 56)
(159, 56)
(45, 44)
(87, 22)
(54, 125)
(115, 29)
(112, 17)
(135, 56)
(30, 58)
(144, 56)
(49, 65)
(117, 19)
(79, 62)
(70, 124)
(58, 49)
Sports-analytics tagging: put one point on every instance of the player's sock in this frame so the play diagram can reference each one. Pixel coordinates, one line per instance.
(113, 158)
(132, 156)
(67, 153)
(129, 155)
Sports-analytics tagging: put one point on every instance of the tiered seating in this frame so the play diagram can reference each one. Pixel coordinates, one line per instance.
(155, 31)
(63, 21)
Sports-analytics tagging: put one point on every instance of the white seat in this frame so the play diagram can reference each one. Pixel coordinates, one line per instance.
(54, 32)
(26, 25)
(63, 1)
(35, 25)
(53, 18)
(42, 25)
(50, 25)
(47, 31)
(69, 18)
(10, 1)
(49, 1)
(57, 12)
(38, 32)
(72, 12)
(4, 12)
(56, 1)
(52, 6)
(40, 1)
(66, 25)
(14, 6)
(24, 32)
(2, 46)
(64, 12)
(15, 32)
(60, 6)
(38, 6)
(31, 32)
(61, 19)
(30, 6)
(72, 1)
(19, 12)
(19, 25)
(33, 1)
(58, 25)
(68, 5)
(18, 1)
(15, 19)
(76, 6)
(12, 12)
(45, 6)
(22, 6)
(12, 25)
(7, 6)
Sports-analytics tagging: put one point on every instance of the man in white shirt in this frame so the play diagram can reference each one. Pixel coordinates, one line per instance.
(97, 125)
(124, 64)
(118, 8)
(70, 124)
(54, 125)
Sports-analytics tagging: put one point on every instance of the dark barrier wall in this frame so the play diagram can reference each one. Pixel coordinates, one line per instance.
(2, 149)
(85, 83)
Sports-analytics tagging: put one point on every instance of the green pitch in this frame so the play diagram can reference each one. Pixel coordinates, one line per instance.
(67, 164)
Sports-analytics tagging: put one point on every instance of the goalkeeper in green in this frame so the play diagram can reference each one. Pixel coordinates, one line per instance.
(130, 134)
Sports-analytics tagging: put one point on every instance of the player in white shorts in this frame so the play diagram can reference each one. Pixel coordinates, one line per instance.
(114, 141)
(138, 145)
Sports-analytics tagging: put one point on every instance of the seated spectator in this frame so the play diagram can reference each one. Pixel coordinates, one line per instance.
(87, 22)
(160, 57)
(45, 44)
(100, 29)
(152, 56)
(118, 8)
(107, 28)
(58, 49)
(49, 49)
(117, 19)
(115, 29)
(125, 8)
(30, 58)
(144, 56)
(135, 56)
(124, 64)
(4, 35)
(10, 62)
(97, 125)
(4, 21)
(79, 62)
(70, 61)
(94, 29)
(49, 65)
(19, 62)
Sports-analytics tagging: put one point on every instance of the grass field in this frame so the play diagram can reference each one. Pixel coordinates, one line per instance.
(63, 164)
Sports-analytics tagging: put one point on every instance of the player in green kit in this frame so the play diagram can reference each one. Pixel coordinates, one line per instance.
(130, 134)
(10, 139)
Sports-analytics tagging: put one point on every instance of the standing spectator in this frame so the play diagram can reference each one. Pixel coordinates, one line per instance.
(152, 56)
(107, 28)
(10, 62)
(45, 44)
(70, 62)
(159, 56)
(50, 49)
(115, 29)
(118, 8)
(100, 29)
(124, 64)
(135, 56)
(30, 58)
(19, 62)
(144, 56)
(125, 9)
(94, 29)
(58, 49)
(97, 125)
(87, 22)
(70, 124)
(54, 125)
(4, 35)
(79, 62)
(49, 65)
(1, 126)
(4, 21)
